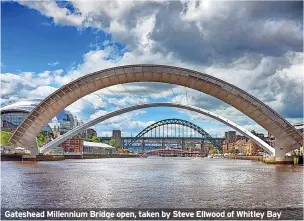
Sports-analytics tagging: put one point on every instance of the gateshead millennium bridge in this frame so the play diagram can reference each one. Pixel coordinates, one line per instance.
(287, 138)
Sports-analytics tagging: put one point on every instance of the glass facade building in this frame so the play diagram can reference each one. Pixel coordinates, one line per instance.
(66, 121)
(13, 115)
(10, 120)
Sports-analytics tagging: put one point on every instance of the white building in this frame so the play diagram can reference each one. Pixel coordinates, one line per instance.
(97, 148)
(300, 127)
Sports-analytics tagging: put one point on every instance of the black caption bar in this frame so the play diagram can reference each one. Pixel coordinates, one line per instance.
(152, 214)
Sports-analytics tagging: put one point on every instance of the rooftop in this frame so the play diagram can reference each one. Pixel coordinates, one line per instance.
(93, 144)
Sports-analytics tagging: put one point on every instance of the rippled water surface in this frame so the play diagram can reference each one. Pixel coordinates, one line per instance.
(150, 182)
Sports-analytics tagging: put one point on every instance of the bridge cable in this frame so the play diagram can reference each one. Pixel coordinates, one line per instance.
(104, 87)
(145, 92)
(125, 87)
(117, 95)
(171, 87)
(199, 99)
(159, 91)
(105, 101)
(186, 95)
(95, 106)
(91, 103)
(182, 99)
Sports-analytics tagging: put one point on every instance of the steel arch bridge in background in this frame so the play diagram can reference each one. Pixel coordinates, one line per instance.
(178, 133)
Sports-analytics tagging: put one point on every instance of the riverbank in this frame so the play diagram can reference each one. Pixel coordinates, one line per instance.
(289, 160)
(99, 156)
(11, 157)
(62, 157)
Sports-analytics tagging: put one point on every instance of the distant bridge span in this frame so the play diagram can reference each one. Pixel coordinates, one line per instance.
(287, 137)
(54, 143)
(203, 134)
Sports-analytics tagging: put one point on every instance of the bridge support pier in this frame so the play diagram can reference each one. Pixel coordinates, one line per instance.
(143, 146)
(202, 148)
(34, 149)
(183, 144)
(281, 148)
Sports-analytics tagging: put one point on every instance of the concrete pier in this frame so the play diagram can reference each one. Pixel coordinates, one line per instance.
(267, 160)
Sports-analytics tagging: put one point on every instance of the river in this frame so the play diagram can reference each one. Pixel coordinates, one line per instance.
(152, 182)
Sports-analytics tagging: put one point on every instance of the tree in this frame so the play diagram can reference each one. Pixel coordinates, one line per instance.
(234, 151)
(214, 151)
(40, 139)
(112, 142)
(93, 139)
(118, 149)
(5, 136)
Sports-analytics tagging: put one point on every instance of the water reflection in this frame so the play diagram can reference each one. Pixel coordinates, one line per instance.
(150, 182)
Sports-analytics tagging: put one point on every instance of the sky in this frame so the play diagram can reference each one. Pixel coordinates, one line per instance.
(254, 45)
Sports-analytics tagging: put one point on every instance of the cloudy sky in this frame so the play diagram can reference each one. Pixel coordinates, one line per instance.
(257, 46)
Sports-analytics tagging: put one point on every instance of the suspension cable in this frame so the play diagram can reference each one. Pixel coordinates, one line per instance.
(91, 103)
(159, 91)
(183, 97)
(145, 92)
(200, 98)
(186, 96)
(171, 87)
(125, 87)
(117, 95)
(103, 100)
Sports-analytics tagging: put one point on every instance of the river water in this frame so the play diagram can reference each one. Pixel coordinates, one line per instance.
(152, 182)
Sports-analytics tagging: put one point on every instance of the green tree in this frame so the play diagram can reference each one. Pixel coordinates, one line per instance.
(118, 149)
(40, 139)
(112, 142)
(234, 151)
(93, 139)
(5, 136)
(214, 151)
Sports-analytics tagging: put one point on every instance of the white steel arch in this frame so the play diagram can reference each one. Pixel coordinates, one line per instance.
(287, 137)
(77, 130)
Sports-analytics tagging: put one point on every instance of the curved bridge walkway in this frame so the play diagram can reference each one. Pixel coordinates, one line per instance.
(54, 143)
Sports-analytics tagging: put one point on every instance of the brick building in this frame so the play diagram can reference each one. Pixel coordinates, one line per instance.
(72, 145)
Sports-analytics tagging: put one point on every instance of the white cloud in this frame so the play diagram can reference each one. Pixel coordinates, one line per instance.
(44, 74)
(234, 41)
(53, 63)
(41, 92)
(50, 9)
(26, 84)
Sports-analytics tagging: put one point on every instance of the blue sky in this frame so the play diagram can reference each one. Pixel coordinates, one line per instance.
(48, 44)
(28, 35)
